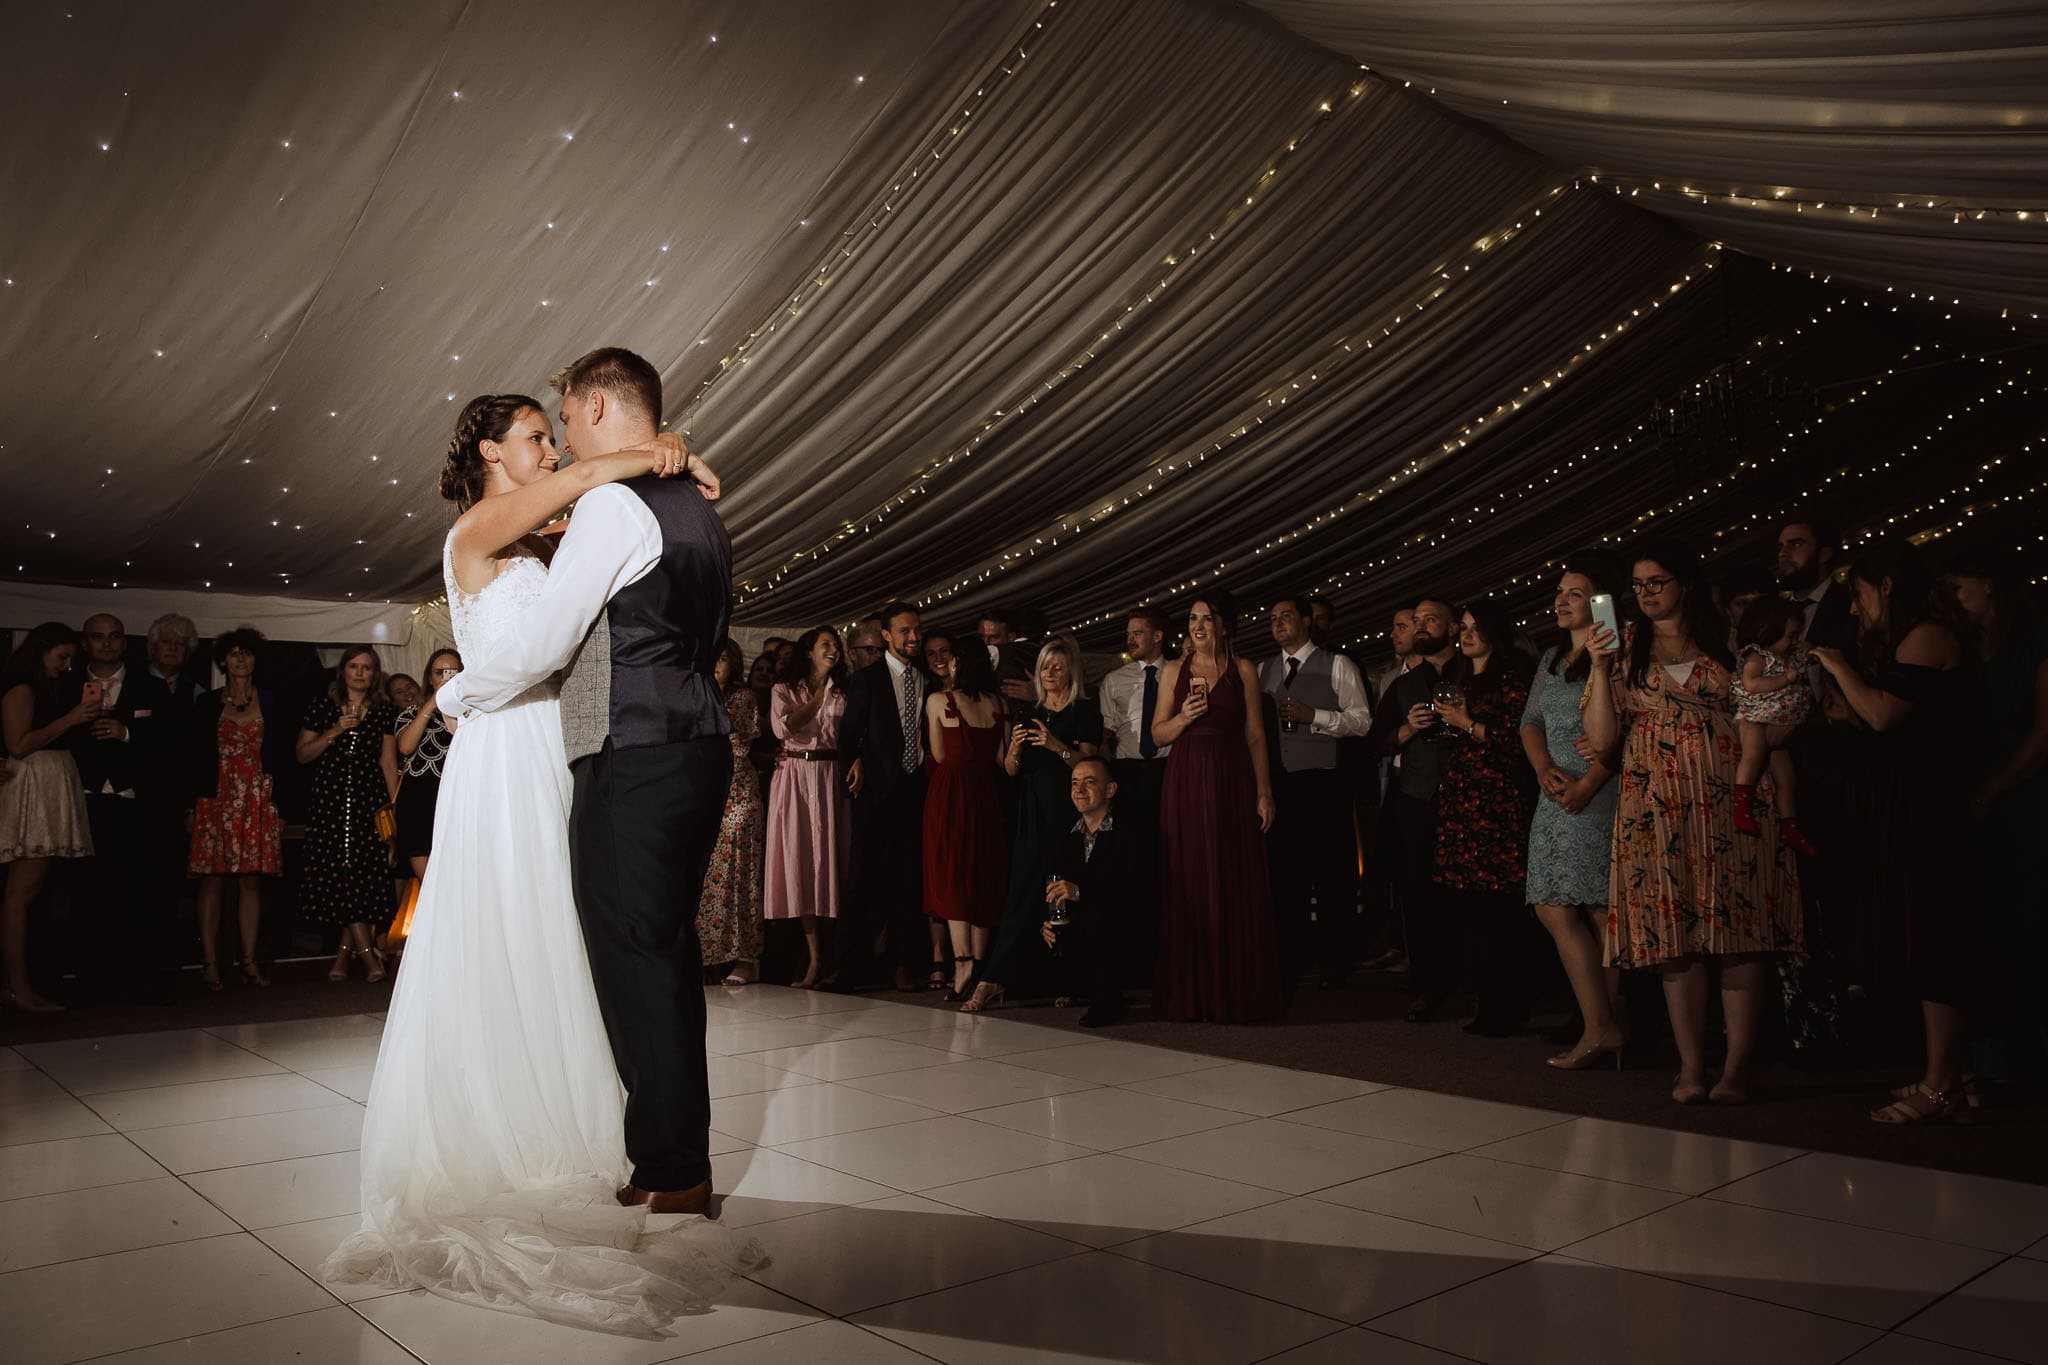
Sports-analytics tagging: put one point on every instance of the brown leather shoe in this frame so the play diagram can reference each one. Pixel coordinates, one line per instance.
(696, 1199)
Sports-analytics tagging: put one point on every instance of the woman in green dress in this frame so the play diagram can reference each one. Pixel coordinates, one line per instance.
(1062, 728)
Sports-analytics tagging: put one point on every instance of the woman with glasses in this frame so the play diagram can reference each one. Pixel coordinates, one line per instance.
(424, 735)
(1686, 890)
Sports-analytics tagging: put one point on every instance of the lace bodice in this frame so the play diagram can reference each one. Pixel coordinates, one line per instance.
(484, 621)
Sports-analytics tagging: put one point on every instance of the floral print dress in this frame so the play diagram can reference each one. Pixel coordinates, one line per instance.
(1684, 881)
(1486, 797)
(729, 914)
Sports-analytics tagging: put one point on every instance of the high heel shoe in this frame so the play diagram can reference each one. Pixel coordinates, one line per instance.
(987, 995)
(966, 987)
(376, 970)
(742, 974)
(1582, 1058)
(339, 971)
(252, 975)
(1687, 1094)
(210, 974)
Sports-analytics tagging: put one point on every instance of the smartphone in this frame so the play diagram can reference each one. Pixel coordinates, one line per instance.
(1602, 606)
(93, 692)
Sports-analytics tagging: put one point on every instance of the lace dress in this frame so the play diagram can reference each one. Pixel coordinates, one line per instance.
(494, 1141)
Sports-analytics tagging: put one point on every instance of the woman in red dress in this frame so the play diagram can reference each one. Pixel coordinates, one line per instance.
(966, 868)
(1219, 955)
(236, 832)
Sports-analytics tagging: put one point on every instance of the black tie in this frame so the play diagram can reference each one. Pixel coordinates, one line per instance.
(1146, 748)
(1293, 667)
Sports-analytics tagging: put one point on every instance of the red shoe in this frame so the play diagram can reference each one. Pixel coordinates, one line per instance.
(1794, 838)
(1745, 814)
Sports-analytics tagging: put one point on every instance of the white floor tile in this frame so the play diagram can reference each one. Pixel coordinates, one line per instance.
(323, 1054)
(80, 1309)
(189, 1147)
(349, 1082)
(295, 1191)
(1341, 1263)
(1449, 1123)
(979, 1035)
(1903, 1350)
(33, 1168)
(1280, 1155)
(1524, 1205)
(20, 1087)
(1252, 1089)
(203, 1101)
(291, 1032)
(1360, 1347)
(2038, 1251)
(1557, 1311)
(1103, 1200)
(1108, 1309)
(786, 1002)
(965, 1084)
(764, 1035)
(308, 1245)
(936, 1151)
(1879, 1278)
(10, 1060)
(443, 1332)
(721, 1143)
(332, 1336)
(1689, 1163)
(100, 1221)
(873, 1021)
(47, 1120)
(1107, 1119)
(1112, 1063)
(845, 1058)
(746, 1076)
(1975, 1210)
(760, 1185)
(830, 1343)
(797, 1112)
(2002, 1313)
(90, 1065)
(848, 1259)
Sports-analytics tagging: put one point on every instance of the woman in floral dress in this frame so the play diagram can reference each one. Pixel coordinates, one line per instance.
(236, 832)
(1686, 890)
(729, 914)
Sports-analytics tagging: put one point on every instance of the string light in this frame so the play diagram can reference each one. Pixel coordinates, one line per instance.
(1920, 210)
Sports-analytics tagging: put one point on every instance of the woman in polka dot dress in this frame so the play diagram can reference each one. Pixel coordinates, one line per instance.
(345, 882)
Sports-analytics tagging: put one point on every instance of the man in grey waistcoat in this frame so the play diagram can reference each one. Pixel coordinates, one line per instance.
(1320, 698)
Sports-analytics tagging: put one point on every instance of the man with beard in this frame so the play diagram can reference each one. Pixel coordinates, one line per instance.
(1807, 551)
(1405, 728)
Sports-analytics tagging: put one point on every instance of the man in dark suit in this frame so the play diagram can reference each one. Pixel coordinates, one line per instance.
(1101, 874)
(173, 644)
(1015, 661)
(1807, 550)
(120, 927)
(882, 753)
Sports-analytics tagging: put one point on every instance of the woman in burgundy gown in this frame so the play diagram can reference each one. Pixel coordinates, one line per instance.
(1219, 955)
(966, 868)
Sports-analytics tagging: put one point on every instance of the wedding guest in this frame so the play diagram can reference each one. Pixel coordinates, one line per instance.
(171, 644)
(730, 910)
(1384, 939)
(767, 745)
(346, 737)
(1011, 659)
(1484, 804)
(402, 690)
(1571, 834)
(809, 826)
(882, 752)
(42, 802)
(1908, 688)
(1807, 550)
(134, 792)
(938, 658)
(423, 735)
(1130, 696)
(1320, 700)
(236, 831)
(1097, 873)
(1408, 730)
(863, 648)
(1059, 728)
(1219, 955)
(966, 867)
(1686, 893)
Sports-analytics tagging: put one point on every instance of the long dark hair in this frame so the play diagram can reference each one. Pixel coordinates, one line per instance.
(730, 654)
(1701, 622)
(2015, 608)
(973, 673)
(337, 686)
(25, 664)
(796, 669)
(1912, 599)
(1223, 607)
(1507, 658)
(1600, 570)
(487, 418)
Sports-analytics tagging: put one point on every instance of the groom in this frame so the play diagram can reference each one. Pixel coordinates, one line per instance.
(636, 605)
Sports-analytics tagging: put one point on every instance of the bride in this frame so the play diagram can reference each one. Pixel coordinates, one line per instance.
(494, 1141)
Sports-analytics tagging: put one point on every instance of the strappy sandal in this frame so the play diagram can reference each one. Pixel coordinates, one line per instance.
(965, 988)
(987, 995)
(1970, 1095)
(339, 971)
(1923, 1107)
(210, 974)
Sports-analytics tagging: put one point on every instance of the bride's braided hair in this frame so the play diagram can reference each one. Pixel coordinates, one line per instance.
(487, 418)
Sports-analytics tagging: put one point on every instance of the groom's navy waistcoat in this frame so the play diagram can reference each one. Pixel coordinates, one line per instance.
(666, 628)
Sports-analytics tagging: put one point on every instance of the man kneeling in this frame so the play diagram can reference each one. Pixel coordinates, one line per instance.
(1092, 867)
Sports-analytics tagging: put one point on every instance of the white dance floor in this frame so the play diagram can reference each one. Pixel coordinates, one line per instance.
(939, 1186)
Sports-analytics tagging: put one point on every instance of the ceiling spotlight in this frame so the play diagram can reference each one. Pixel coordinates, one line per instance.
(456, 94)
(285, 143)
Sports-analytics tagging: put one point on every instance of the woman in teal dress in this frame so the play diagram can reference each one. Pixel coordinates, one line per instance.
(1050, 737)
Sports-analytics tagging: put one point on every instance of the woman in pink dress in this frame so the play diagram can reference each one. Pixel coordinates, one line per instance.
(809, 827)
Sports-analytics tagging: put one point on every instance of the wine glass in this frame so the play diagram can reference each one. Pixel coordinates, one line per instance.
(1057, 913)
(1447, 694)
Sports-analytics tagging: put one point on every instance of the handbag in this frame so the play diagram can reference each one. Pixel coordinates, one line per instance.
(387, 814)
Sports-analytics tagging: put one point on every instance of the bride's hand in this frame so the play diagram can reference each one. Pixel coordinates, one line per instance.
(702, 474)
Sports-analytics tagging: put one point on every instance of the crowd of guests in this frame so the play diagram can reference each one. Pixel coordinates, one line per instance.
(962, 811)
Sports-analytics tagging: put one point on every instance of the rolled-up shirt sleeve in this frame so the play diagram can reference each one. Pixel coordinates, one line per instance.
(612, 541)
(1353, 716)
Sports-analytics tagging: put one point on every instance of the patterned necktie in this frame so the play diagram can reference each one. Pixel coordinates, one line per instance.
(1146, 748)
(909, 721)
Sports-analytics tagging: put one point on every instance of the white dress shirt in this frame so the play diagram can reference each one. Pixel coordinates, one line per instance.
(1353, 716)
(1122, 698)
(904, 681)
(612, 542)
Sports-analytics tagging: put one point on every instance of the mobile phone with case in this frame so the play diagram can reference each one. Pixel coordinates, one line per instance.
(1602, 606)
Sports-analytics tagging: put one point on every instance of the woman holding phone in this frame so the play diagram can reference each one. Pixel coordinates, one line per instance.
(1685, 891)
(1219, 951)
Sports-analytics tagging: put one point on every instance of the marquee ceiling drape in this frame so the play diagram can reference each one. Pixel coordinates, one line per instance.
(1009, 301)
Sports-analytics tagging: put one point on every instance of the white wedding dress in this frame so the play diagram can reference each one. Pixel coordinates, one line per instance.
(494, 1142)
